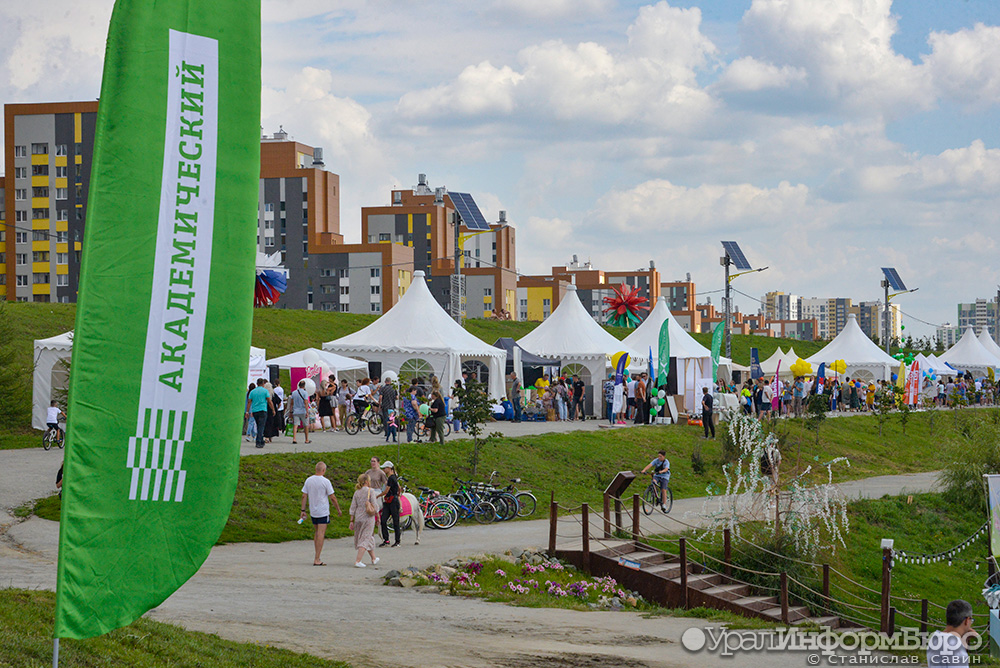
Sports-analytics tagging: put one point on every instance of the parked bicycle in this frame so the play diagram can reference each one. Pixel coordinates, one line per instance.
(438, 511)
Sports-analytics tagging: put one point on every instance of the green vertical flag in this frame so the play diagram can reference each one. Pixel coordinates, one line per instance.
(165, 308)
(716, 348)
(664, 353)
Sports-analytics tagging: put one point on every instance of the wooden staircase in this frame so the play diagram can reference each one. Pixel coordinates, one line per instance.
(660, 578)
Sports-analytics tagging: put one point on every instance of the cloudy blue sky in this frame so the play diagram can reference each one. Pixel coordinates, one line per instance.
(828, 137)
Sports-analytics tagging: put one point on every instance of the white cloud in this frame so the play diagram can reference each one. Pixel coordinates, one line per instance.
(480, 90)
(966, 64)
(749, 74)
(552, 9)
(955, 174)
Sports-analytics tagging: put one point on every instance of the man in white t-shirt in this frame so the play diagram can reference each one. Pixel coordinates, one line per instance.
(52, 417)
(948, 647)
(317, 493)
(630, 398)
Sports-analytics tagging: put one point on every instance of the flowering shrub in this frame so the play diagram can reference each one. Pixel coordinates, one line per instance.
(500, 572)
(440, 579)
(516, 588)
(474, 567)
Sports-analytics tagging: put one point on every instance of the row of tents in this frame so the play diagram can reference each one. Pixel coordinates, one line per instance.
(416, 337)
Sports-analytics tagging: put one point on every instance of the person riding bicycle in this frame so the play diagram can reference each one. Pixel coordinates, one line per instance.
(362, 397)
(52, 418)
(661, 476)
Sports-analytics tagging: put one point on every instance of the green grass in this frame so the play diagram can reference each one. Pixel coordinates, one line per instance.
(575, 466)
(26, 619)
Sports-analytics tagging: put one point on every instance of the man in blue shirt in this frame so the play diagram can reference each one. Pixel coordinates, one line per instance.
(661, 476)
(258, 405)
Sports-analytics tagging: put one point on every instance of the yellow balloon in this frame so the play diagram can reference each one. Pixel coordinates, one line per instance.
(617, 357)
(801, 367)
(839, 366)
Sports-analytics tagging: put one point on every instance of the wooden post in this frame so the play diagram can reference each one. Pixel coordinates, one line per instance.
(635, 517)
(618, 514)
(684, 571)
(784, 597)
(553, 522)
(886, 586)
(892, 621)
(924, 605)
(727, 551)
(585, 512)
(607, 516)
(826, 581)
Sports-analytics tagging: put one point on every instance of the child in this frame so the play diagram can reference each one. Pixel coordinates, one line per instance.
(390, 426)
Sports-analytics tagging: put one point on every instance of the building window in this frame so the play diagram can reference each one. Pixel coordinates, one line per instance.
(22, 281)
(376, 272)
(268, 224)
(39, 214)
(329, 306)
(345, 308)
(328, 289)
(342, 273)
(39, 149)
(269, 207)
(39, 256)
(79, 213)
(40, 279)
(62, 258)
(61, 171)
(20, 216)
(384, 237)
(79, 172)
(20, 172)
(62, 280)
(269, 242)
(79, 148)
(39, 235)
(20, 152)
(20, 237)
(79, 194)
(376, 307)
(60, 149)
(61, 193)
(524, 303)
(488, 292)
(39, 170)
(376, 289)
(345, 289)
(546, 303)
(20, 194)
(62, 214)
(40, 191)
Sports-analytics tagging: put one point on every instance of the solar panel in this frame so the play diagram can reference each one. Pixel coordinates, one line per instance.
(469, 211)
(736, 255)
(895, 282)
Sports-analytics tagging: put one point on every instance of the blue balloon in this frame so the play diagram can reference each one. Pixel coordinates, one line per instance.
(895, 378)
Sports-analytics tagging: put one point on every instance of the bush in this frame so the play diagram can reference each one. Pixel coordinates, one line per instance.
(697, 461)
(970, 454)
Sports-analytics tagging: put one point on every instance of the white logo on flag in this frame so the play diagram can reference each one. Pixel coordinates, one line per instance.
(181, 272)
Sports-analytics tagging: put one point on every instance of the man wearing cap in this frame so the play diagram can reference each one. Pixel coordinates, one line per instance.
(390, 504)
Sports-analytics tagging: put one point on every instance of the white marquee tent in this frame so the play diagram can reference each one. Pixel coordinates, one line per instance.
(52, 376)
(969, 355)
(988, 343)
(331, 360)
(864, 359)
(770, 365)
(572, 335)
(694, 361)
(416, 337)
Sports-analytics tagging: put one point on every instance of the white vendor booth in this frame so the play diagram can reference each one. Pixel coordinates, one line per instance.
(417, 338)
(969, 355)
(865, 360)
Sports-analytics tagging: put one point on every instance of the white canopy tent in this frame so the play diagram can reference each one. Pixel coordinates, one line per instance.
(417, 338)
(864, 359)
(969, 355)
(770, 365)
(987, 341)
(694, 361)
(334, 361)
(572, 335)
(51, 376)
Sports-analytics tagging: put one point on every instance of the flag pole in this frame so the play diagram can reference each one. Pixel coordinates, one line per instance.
(55, 653)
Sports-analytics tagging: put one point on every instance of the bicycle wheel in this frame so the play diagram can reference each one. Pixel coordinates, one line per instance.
(442, 514)
(351, 425)
(375, 423)
(670, 499)
(485, 512)
(47, 439)
(510, 506)
(525, 504)
(650, 499)
(405, 523)
(447, 428)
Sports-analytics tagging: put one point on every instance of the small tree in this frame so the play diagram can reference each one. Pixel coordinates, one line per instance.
(885, 399)
(816, 412)
(475, 413)
(903, 407)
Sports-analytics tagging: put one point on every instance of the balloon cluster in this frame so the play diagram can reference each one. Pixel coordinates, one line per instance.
(838, 366)
(907, 358)
(801, 368)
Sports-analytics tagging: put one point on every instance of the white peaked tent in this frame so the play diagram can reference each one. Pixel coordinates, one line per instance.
(770, 365)
(694, 361)
(572, 335)
(864, 359)
(791, 357)
(988, 343)
(969, 355)
(51, 376)
(332, 360)
(418, 331)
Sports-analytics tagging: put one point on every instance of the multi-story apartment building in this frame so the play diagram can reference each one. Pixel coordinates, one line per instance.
(48, 150)
(948, 335)
(781, 306)
(978, 314)
(424, 220)
(803, 330)
(680, 295)
(539, 296)
(830, 314)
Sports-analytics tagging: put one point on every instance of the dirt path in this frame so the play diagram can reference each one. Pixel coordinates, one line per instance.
(271, 594)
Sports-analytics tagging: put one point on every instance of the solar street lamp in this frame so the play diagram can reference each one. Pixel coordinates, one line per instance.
(893, 281)
(735, 257)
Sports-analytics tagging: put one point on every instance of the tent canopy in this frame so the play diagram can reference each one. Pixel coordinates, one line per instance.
(647, 335)
(770, 365)
(332, 360)
(987, 341)
(418, 328)
(969, 354)
(527, 359)
(858, 351)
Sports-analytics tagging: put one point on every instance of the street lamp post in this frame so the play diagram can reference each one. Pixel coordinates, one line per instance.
(456, 279)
